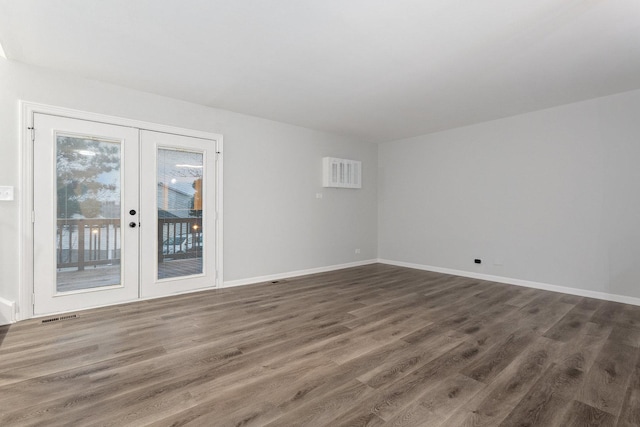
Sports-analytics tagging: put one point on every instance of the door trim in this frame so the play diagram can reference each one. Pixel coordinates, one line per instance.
(26, 188)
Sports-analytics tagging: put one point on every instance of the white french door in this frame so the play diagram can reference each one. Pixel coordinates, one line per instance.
(119, 214)
(85, 184)
(178, 213)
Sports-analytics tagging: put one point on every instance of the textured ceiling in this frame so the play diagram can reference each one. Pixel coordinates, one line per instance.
(378, 70)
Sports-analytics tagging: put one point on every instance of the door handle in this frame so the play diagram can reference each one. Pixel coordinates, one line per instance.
(132, 224)
(132, 212)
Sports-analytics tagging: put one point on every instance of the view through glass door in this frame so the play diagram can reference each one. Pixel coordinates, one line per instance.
(85, 204)
(120, 214)
(179, 218)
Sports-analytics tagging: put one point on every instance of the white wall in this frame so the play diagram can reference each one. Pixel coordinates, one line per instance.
(273, 222)
(553, 196)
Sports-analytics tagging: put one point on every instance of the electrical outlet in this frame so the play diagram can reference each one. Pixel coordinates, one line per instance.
(318, 195)
(358, 250)
(6, 193)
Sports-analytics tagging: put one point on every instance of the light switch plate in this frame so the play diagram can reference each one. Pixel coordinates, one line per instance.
(6, 193)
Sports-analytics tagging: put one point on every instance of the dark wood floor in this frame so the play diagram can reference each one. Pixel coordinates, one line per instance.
(373, 345)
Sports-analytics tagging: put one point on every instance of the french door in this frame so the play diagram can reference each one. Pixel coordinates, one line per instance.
(178, 213)
(120, 213)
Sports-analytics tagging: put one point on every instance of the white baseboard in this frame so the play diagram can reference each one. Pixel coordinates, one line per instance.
(7, 312)
(518, 282)
(279, 276)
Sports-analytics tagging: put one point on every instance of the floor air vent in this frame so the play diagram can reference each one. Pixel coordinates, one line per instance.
(55, 319)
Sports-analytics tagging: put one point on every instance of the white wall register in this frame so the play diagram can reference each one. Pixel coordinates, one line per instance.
(341, 173)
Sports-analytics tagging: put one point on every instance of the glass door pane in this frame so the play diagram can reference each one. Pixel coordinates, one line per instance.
(88, 201)
(180, 190)
(85, 200)
(179, 228)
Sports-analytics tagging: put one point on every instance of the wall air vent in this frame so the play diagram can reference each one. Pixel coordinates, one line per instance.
(341, 173)
(55, 319)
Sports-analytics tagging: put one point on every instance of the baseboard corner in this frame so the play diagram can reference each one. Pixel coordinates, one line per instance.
(7, 312)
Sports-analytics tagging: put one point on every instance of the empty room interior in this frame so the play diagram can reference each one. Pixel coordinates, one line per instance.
(319, 213)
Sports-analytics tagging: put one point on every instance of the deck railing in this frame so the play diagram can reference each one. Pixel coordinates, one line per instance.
(179, 238)
(88, 242)
(85, 243)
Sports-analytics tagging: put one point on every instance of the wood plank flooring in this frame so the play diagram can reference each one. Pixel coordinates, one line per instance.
(376, 345)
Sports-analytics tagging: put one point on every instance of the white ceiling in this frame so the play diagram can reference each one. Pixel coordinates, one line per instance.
(379, 70)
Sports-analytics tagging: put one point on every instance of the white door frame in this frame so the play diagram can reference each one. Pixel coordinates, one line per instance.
(26, 191)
